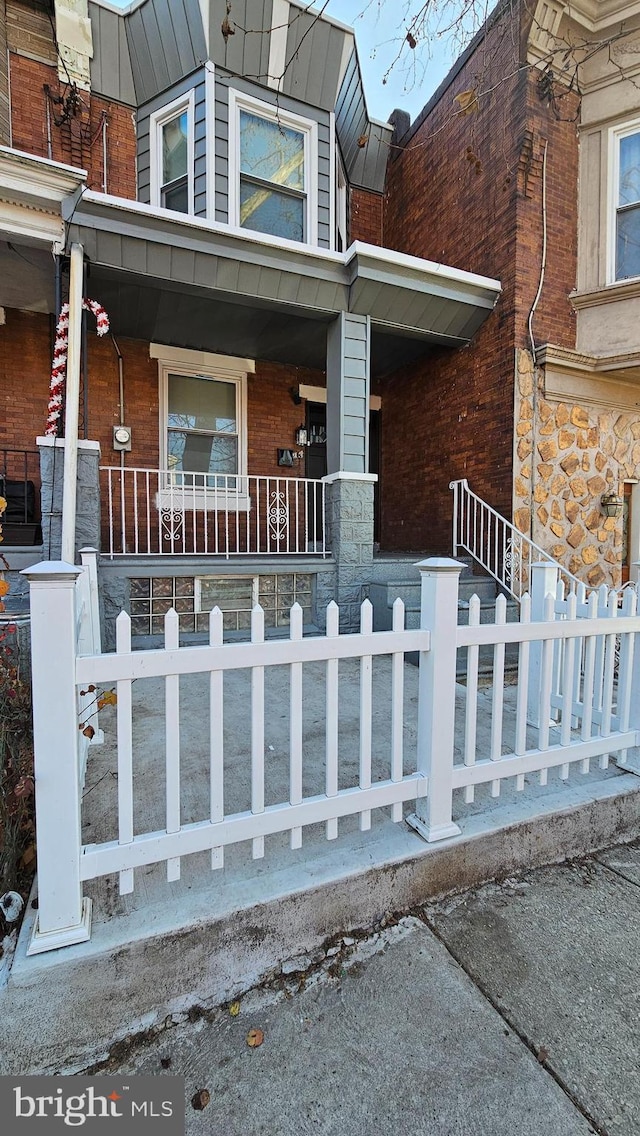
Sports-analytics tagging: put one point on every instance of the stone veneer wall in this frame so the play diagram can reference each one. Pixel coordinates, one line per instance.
(567, 454)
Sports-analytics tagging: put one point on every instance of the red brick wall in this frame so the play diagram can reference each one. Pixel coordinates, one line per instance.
(466, 191)
(80, 142)
(366, 214)
(25, 364)
(555, 319)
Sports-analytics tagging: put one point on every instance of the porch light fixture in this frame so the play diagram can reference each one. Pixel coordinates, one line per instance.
(301, 436)
(611, 504)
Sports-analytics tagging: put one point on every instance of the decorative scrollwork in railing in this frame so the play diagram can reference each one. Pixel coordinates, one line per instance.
(513, 562)
(278, 517)
(172, 523)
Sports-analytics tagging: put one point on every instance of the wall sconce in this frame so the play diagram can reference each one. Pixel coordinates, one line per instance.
(611, 504)
(301, 436)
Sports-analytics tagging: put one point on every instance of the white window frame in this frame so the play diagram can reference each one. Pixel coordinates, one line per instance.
(341, 198)
(616, 133)
(220, 368)
(157, 120)
(238, 101)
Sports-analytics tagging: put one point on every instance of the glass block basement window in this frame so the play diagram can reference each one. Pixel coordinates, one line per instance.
(193, 599)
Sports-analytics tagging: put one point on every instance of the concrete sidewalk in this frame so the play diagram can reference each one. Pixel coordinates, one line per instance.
(510, 1010)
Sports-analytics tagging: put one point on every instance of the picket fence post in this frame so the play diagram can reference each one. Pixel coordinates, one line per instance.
(544, 580)
(632, 763)
(64, 917)
(440, 578)
(89, 560)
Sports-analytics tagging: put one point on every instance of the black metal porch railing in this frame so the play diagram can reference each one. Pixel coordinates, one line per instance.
(20, 486)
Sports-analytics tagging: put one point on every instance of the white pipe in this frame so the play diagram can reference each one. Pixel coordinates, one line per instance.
(544, 251)
(72, 405)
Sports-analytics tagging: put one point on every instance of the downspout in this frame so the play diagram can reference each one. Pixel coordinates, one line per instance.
(72, 406)
(120, 388)
(544, 253)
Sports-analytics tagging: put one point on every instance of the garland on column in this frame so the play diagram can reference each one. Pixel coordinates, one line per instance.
(59, 366)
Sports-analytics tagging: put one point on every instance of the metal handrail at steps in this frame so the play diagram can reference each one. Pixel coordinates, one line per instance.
(498, 546)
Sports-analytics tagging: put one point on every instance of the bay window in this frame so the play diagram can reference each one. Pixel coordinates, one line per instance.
(272, 170)
(171, 142)
(626, 202)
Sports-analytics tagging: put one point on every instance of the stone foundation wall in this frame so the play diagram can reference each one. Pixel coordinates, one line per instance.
(567, 455)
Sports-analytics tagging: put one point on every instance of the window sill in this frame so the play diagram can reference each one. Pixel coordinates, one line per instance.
(607, 293)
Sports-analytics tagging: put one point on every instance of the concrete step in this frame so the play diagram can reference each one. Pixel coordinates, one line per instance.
(409, 591)
(401, 567)
(382, 597)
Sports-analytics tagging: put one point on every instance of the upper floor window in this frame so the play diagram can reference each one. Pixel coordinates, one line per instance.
(272, 170)
(626, 196)
(172, 155)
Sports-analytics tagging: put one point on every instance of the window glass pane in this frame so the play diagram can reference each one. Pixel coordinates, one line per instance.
(629, 191)
(202, 453)
(228, 595)
(177, 196)
(197, 403)
(628, 244)
(271, 151)
(174, 148)
(269, 212)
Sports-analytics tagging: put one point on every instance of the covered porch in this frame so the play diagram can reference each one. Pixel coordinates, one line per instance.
(291, 337)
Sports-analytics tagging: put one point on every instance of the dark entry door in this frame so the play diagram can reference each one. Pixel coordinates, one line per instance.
(316, 456)
(316, 461)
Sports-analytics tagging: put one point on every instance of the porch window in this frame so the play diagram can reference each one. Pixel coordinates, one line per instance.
(272, 160)
(626, 178)
(172, 156)
(202, 430)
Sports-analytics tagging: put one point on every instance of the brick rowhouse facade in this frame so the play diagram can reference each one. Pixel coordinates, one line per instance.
(465, 189)
(27, 337)
(462, 189)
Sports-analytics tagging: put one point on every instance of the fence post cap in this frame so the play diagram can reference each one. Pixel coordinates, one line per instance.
(88, 548)
(51, 570)
(440, 564)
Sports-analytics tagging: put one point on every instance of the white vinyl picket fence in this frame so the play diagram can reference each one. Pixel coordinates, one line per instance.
(574, 702)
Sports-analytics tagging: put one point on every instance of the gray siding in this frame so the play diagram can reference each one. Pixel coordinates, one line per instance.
(197, 83)
(111, 74)
(223, 82)
(243, 54)
(366, 165)
(313, 58)
(166, 42)
(348, 358)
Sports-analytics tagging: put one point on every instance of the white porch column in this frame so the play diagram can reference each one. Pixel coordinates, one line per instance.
(349, 483)
(72, 404)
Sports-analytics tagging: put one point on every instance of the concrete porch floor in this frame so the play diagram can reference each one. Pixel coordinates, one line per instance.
(210, 935)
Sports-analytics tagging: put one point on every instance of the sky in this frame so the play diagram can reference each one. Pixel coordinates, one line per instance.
(380, 27)
(380, 31)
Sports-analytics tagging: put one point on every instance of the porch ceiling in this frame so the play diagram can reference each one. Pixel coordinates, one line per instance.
(26, 277)
(158, 273)
(191, 318)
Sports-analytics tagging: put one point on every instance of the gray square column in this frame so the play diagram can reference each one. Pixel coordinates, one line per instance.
(88, 495)
(349, 483)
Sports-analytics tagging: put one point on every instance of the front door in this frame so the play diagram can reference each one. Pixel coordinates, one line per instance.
(316, 456)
